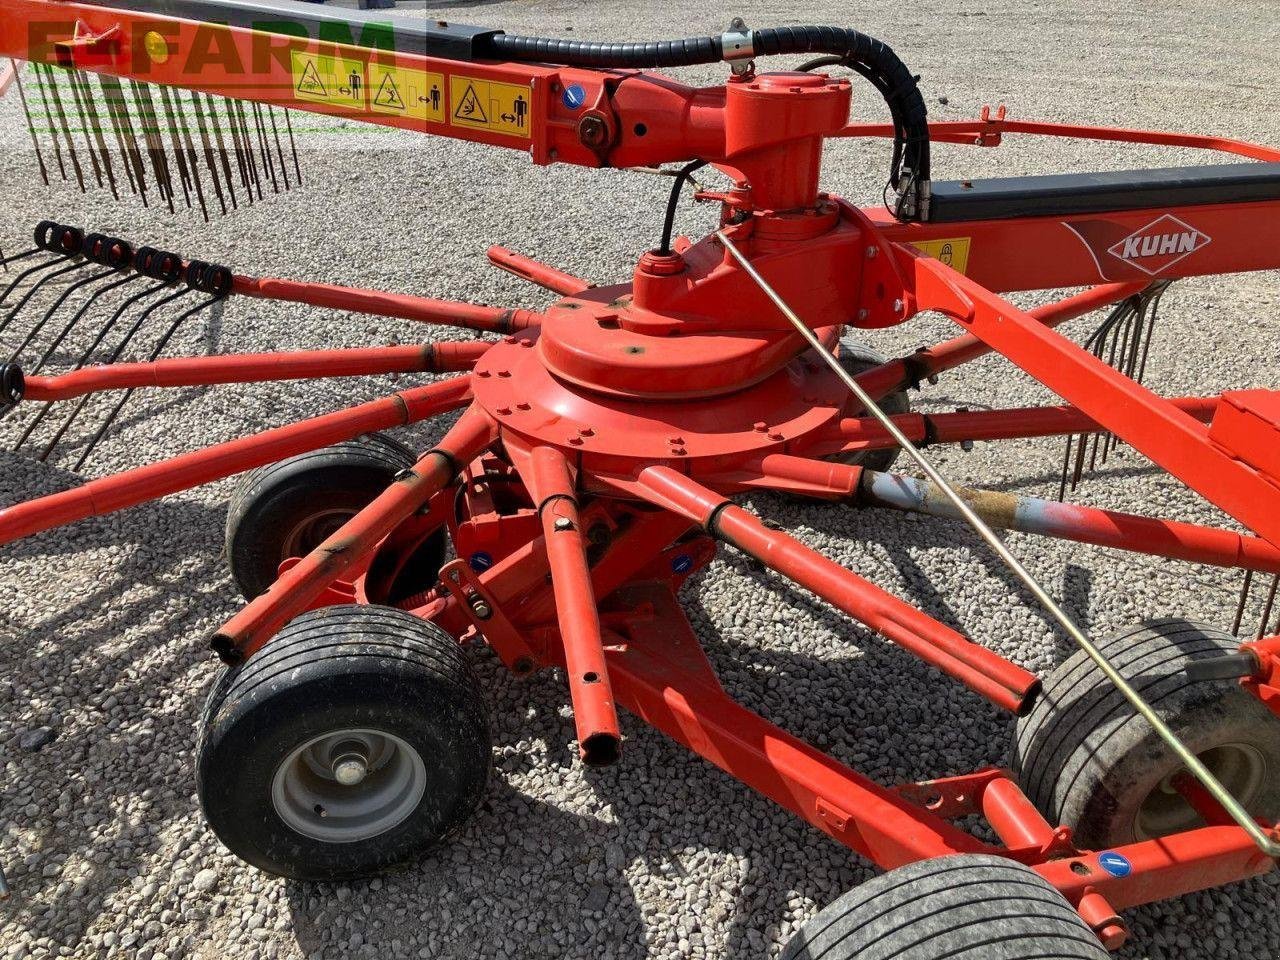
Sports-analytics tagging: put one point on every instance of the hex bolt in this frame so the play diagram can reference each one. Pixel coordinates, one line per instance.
(593, 132)
(480, 607)
(563, 523)
(760, 426)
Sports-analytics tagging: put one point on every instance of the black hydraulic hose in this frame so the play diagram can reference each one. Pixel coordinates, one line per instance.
(872, 58)
(669, 221)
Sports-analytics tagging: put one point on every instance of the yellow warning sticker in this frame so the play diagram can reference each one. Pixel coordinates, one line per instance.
(489, 105)
(332, 80)
(954, 252)
(398, 92)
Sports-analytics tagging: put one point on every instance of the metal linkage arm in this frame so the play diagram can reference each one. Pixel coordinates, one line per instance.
(596, 717)
(256, 367)
(987, 674)
(157, 480)
(300, 585)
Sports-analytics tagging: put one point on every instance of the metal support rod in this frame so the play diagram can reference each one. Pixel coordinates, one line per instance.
(156, 480)
(1103, 528)
(987, 674)
(594, 712)
(1202, 773)
(544, 275)
(301, 585)
(425, 309)
(254, 367)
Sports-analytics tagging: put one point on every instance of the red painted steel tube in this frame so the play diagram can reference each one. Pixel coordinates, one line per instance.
(1171, 866)
(299, 586)
(452, 313)
(257, 367)
(535, 271)
(857, 812)
(1152, 426)
(1013, 817)
(865, 433)
(985, 673)
(1067, 521)
(594, 712)
(156, 480)
(899, 374)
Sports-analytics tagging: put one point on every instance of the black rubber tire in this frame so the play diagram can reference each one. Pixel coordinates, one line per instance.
(1087, 760)
(272, 502)
(858, 358)
(964, 907)
(333, 669)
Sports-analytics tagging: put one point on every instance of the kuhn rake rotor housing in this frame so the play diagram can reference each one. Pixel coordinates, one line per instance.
(602, 441)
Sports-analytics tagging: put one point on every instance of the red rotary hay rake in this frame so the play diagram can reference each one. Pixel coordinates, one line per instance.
(601, 441)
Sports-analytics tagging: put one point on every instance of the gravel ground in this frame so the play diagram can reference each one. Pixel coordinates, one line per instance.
(662, 856)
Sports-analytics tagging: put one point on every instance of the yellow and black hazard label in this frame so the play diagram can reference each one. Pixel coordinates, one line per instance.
(332, 80)
(954, 252)
(489, 105)
(398, 92)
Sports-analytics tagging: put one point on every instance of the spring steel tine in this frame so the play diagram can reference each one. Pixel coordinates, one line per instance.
(26, 297)
(114, 356)
(83, 359)
(78, 316)
(155, 145)
(1245, 589)
(57, 304)
(275, 132)
(48, 116)
(1190, 761)
(53, 261)
(192, 163)
(89, 107)
(51, 83)
(114, 92)
(1151, 326)
(222, 147)
(31, 127)
(1124, 334)
(117, 127)
(175, 139)
(1267, 607)
(82, 116)
(293, 146)
(264, 147)
(207, 146)
(124, 399)
(18, 256)
(246, 140)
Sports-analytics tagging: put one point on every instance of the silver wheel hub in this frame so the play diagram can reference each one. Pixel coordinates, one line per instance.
(348, 785)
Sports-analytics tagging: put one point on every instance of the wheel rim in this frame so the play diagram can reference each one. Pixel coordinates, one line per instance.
(310, 532)
(1239, 767)
(348, 785)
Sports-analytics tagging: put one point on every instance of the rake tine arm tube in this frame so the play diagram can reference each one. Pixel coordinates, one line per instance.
(1003, 683)
(866, 433)
(299, 586)
(594, 712)
(257, 367)
(544, 275)
(156, 480)
(470, 316)
(1102, 528)
(900, 374)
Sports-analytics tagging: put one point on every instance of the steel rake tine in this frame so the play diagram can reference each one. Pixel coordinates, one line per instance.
(293, 146)
(31, 127)
(215, 123)
(159, 348)
(51, 86)
(78, 316)
(1152, 310)
(83, 359)
(26, 297)
(118, 129)
(250, 162)
(175, 139)
(57, 304)
(207, 146)
(120, 101)
(264, 147)
(82, 116)
(28, 272)
(16, 257)
(193, 166)
(1266, 610)
(1245, 589)
(275, 132)
(80, 79)
(155, 145)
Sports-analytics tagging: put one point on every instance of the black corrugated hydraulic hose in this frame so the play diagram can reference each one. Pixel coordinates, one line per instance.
(868, 56)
